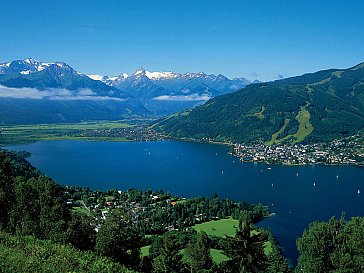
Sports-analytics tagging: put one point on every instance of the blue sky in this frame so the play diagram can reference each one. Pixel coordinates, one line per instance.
(253, 39)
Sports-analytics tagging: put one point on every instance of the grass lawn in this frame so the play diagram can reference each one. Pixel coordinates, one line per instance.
(218, 256)
(82, 209)
(145, 251)
(228, 226)
(267, 248)
(218, 228)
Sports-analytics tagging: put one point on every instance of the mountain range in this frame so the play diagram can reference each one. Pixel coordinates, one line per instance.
(30, 89)
(37, 92)
(30, 73)
(313, 107)
(168, 92)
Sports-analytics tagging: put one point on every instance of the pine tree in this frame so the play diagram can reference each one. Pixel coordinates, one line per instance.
(245, 251)
(119, 240)
(169, 259)
(197, 254)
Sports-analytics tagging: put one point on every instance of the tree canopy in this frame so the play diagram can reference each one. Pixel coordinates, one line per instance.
(333, 246)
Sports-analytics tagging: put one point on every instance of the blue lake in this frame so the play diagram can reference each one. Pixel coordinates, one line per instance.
(297, 195)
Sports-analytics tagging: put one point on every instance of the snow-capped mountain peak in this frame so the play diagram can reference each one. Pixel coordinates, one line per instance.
(97, 77)
(159, 92)
(174, 82)
(106, 79)
(28, 66)
(161, 75)
(140, 72)
(162, 78)
(122, 75)
(198, 75)
(30, 61)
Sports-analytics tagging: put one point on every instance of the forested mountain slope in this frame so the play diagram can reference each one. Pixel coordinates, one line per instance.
(317, 106)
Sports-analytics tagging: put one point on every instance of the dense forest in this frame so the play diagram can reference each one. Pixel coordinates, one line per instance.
(40, 232)
(314, 107)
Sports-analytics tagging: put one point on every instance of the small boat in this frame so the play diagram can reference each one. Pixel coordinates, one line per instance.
(314, 184)
(358, 191)
(272, 185)
(337, 177)
(222, 172)
(297, 174)
(269, 168)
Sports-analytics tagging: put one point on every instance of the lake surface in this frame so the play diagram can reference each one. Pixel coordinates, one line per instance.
(297, 195)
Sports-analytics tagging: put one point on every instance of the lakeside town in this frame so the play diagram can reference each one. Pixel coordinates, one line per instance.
(155, 212)
(98, 204)
(348, 151)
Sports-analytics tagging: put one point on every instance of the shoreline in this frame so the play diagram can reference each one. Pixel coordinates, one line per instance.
(231, 145)
(121, 140)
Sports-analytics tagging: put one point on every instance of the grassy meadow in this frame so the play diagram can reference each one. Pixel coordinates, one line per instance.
(18, 134)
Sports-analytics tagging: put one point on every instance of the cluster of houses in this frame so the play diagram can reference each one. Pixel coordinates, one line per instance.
(100, 207)
(345, 151)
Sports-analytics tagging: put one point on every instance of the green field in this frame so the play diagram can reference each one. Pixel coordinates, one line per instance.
(145, 251)
(82, 210)
(17, 134)
(218, 228)
(69, 126)
(218, 256)
(227, 227)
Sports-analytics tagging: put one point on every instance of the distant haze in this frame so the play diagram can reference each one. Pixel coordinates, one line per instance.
(51, 94)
